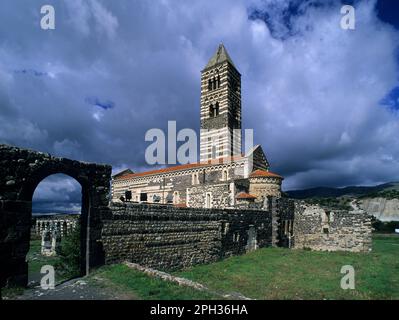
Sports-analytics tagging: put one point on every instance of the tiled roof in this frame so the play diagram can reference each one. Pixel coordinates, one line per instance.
(244, 195)
(122, 173)
(264, 173)
(181, 205)
(220, 56)
(181, 167)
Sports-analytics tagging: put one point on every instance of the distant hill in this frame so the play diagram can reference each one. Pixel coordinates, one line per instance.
(356, 191)
(43, 214)
(381, 201)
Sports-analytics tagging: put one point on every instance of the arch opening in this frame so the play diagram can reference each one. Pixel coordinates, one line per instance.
(59, 228)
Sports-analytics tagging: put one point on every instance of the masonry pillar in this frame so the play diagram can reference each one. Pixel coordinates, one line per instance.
(273, 208)
(15, 223)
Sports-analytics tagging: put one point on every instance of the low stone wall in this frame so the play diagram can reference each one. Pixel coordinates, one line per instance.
(319, 229)
(167, 238)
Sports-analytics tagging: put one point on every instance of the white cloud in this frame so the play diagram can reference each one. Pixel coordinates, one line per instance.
(83, 15)
(105, 20)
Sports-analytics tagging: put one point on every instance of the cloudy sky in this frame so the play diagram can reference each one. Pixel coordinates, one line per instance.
(322, 101)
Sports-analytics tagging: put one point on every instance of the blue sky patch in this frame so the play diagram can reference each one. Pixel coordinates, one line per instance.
(105, 105)
(391, 100)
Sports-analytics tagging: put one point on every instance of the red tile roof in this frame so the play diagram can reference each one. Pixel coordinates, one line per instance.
(244, 195)
(181, 205)
(181, 167)
(264, 173)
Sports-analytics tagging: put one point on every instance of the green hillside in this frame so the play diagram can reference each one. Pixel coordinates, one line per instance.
(391, 189)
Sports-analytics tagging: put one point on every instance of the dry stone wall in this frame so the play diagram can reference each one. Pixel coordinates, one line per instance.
(166, 237)
(319, 229)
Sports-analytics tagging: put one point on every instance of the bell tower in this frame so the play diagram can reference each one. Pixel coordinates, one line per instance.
(220, 108)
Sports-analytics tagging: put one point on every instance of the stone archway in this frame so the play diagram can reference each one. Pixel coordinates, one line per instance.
(21, 170)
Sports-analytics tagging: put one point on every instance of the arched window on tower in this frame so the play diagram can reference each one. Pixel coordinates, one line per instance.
(216, 109)
(213, 152)
(209, 84)
(218, 81)
(214, 83)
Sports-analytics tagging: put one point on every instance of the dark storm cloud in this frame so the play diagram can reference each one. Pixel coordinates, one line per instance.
(57, 194)
(110, 71)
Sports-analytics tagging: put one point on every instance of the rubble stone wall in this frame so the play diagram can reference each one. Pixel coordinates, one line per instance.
(319, 229)
(166, 237)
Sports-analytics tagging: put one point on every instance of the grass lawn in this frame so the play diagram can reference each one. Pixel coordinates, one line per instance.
(134, 283)
(278, 273)
(36, 260)
(35, 263)
(268, 273)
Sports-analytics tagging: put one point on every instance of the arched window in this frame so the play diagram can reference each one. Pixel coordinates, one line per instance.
(176, 198)
(209, 84)
(225, 175)
(211, 111)
(214, 83)
(208, 203)
(216, 110)
(213, 152)
(195, 179)
(218, 81)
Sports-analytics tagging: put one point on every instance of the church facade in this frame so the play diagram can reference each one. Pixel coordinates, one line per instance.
(224, 177)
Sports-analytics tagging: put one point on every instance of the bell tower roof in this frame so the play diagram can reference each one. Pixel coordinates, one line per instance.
(220, 56)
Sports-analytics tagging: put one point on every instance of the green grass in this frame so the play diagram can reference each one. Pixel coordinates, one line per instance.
(269, 273)
(36, 261)
(278, 273)
(123, 279)
(11, 292)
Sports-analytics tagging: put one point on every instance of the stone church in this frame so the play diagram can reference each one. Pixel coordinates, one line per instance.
(223, 177)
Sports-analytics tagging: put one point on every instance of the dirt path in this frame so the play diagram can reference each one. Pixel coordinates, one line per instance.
(77, 289)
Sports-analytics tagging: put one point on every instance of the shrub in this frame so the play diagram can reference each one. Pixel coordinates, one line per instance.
(384, 227)
(69, 254)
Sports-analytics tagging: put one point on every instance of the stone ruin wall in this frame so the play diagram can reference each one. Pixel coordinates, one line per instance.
(21, 170)
(319, 229)
(166, 237)
(63, 224)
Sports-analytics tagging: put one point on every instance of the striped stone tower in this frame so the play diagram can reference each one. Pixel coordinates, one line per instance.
(220, 108)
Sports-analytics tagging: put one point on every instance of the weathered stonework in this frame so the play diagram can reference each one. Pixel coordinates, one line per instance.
(262, 187)
(318, 229)
(166, 237)
(21, 170)
(210, 196)
(64, 224)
